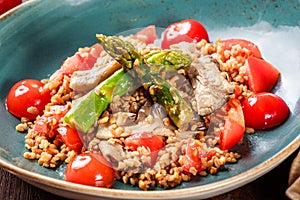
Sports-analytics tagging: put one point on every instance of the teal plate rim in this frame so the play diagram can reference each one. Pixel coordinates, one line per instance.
(194, 190)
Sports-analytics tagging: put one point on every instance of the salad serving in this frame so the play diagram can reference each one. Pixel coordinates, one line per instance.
(148, 111)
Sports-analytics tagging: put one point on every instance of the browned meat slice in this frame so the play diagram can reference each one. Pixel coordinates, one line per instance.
(111, 151)
(150, 119)
(84, 81)
(211, 89)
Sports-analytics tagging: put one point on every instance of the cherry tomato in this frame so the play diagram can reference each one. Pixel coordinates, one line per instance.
(147, 34)
(234, 126)
(151, 142)
(264, 110)
(70, 137)
(44, 124)
(82, 60)
(6, 5)
(27, 98)
(253, 48)
(193, 155)
(237, 91)
(90, 169)
(90, 54)
(74, 63)
(262, 76)
(187, 30)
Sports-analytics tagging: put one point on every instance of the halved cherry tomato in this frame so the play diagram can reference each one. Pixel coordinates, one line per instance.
(90, 169)
(27, 98)
(151, 142)
(6, 5)
(264, 110)
(194, 152)
(237, 91)
(70, 137)
(82, 60)
(187, 30)
(74, 63)
(44, 124)
(234, 126)
(148, 34)
(253, 48)
(262, 76)
(90, 54)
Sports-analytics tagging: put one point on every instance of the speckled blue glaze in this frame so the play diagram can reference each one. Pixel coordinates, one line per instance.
(38, 36)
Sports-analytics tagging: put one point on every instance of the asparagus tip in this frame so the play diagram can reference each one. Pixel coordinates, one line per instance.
(100, 37)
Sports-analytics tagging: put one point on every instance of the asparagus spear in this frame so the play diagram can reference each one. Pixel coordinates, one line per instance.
(173, 59)
(160, 90)
(87, 109)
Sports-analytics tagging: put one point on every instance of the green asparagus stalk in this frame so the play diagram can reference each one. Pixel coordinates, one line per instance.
(160, 90)
(87, 109)
(174, 59)
(176, 107)
(123, 52)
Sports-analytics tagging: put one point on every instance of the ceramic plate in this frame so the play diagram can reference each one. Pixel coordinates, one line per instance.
(37, 36)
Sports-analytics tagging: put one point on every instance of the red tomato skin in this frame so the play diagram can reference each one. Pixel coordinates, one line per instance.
(90, 169)
(82, 60)
(93, 53)
(74, 63)
(264, 110)
(148, 140)
(262, 76)
(234, 126)
(193, 154)
(232, 134)
(44, 124)
(70, 137)
(188, 30)
(25, 94)
(6, 5)
(151, 142)
(148, 34)
(229, 43)
(191, 157)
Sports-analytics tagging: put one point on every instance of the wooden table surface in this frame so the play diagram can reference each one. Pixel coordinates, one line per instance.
(271, 186)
